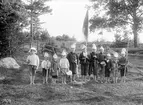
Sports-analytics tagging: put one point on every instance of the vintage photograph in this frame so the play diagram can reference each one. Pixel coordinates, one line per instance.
(71, 52)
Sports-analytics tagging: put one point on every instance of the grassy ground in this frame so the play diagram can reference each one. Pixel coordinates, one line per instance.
(15, 90)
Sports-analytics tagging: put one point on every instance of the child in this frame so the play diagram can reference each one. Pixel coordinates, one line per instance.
(115, 68)
(93, 66)
(64, 66)
(45, 67)
(84, 61)
(123, 66)
(55, 68)
(101, 60)
(33, 63)
(108, 67)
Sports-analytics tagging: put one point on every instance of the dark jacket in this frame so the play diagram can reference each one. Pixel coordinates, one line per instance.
(73, 58)
(83, 59)
(109, 64)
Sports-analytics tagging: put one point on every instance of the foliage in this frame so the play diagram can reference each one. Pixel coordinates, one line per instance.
(119, 13)
(65, 37)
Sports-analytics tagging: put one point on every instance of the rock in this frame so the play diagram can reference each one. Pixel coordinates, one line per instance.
(9, 63)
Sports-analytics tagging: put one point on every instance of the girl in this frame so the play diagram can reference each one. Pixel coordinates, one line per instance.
(115, 68)
(123, 66)
(55, 68)
(64, 66)
(45, 67)
(33, 63)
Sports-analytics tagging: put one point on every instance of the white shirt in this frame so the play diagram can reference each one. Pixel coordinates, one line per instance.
(33, 60)
(64, 63)
(46, 64)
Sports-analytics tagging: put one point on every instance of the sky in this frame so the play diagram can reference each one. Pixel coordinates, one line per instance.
(67, 18)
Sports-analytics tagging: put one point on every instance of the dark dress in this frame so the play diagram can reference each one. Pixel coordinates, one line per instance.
(73, 61)
(55, 68)
(101, 58)
(108, 67)
(93, 64)
(84, 61)
(122, 63)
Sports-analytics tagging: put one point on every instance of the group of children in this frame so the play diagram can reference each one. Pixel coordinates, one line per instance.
(50, 68)
(99, 64)
(104, 66)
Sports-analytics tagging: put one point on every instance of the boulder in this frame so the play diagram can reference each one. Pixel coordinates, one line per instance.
(9, 63)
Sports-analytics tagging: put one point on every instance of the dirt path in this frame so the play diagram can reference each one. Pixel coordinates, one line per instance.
(16, 88)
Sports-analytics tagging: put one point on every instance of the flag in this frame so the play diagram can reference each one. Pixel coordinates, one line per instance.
(85, 27)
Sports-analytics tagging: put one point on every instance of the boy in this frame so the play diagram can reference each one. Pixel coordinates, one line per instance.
(84, 61)
(64, 66)
(93, 66)
(55, 68)
(45, 67)
(108, 67)
(73, 60)
(33, 63)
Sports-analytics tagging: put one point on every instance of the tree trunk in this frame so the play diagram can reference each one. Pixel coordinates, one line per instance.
(135, 33)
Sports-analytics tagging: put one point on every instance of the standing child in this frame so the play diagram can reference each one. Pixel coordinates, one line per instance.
(123, 66)
(45, 67)
(33, 63)
(55, 68)
(115, 68)
(108, 67)
(64, 66)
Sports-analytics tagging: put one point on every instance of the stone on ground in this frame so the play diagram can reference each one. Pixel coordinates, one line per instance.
(9, 62)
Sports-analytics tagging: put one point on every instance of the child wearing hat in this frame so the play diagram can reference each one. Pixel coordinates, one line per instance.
(101, 60)
(115, 67)
(123, 66)
(108, 67)
(73, 60)
(84, 61)
(55, 68)
(46, 64)
(93, 65)
(33, 63)
(64, 66)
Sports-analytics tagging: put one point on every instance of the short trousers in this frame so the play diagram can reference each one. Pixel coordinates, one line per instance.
(32, 70)
(84, 69)
(73, 68)
(44, 72)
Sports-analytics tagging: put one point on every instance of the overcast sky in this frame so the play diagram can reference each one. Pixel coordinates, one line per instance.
(67, 18)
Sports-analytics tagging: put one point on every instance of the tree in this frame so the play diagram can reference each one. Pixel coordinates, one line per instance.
(35, 9)
(12, 20)
(120, 13)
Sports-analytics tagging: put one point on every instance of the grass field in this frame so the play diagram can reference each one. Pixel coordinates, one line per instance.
(15, 90)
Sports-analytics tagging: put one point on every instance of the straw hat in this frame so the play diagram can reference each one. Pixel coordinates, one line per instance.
(94, 46)
(46, 54)
(116, 55)
(73, 45)
(55, 56)
(34, 49)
